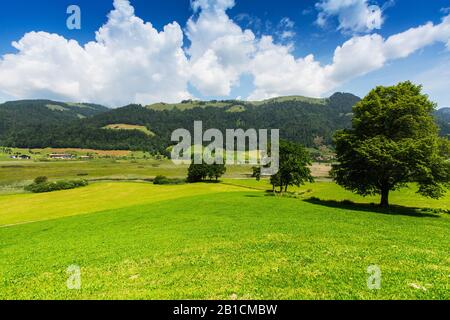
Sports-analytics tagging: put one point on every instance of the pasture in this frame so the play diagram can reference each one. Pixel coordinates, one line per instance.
(18, 173)
(228, 240)
(217, 241)
(121, 126)
(113, 166)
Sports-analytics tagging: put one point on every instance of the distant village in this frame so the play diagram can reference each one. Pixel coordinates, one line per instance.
(52, 156)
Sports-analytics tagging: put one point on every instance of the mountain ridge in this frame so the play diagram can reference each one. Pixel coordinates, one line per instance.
(47, 123)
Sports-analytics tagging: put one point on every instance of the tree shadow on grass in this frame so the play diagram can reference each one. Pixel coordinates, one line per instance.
(392, 210)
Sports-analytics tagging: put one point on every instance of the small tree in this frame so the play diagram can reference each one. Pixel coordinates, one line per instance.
(200, 172)
(256, 173)
(393, 141)
(197, 172)
(294, 167)
(275, 181)
(215, 171)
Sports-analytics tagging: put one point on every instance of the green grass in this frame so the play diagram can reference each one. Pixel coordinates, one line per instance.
(327, 191)
(319, 101)
(187, 106)
(55, 107)
(25, 208)
(233, 108)
(218, 244)
(16, 172)
(236, 109)
(122, 126)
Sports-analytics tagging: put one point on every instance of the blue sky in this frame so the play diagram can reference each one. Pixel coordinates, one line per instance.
(243, 49)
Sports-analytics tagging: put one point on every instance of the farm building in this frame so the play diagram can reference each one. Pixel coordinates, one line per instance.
(21, 157)
(60, 156)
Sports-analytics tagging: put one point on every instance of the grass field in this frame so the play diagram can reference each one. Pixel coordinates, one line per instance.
(16, 172)
(216, 241)
(187, 105)
(121, 126)
(24, 208)
(329, 192)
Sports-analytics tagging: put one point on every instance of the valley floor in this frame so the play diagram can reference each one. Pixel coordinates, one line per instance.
(221, 241)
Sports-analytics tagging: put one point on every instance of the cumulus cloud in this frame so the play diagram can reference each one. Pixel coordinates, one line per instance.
(403, 44)
(220, 50)
(130, 61)
(354, 16)
(277, 72)
(356, 57)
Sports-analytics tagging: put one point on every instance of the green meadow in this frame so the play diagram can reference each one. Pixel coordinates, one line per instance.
(15, 174)
(232, 240)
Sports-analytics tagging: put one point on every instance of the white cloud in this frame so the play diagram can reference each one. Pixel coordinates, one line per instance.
(286, 29)
(436, 82)
(354, 16)
(277, 72)
(212, 5)
(220, 50)
(130, 61)
(403, 44)
(288, 23)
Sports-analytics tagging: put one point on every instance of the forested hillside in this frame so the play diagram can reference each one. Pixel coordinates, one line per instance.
(42, 111)
(443, 120)
(16, 116)
(42, 123)
(62, 125)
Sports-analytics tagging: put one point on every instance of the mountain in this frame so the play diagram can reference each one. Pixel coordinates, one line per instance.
(192, 104)
(40, 118)
(32, 112)
(55, 124)
(443, 120)
(43, 123)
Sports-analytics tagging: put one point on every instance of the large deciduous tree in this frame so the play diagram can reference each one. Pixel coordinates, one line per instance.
(393, 141)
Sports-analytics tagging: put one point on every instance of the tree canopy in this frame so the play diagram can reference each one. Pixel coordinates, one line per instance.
(393, 141)
(293, 167)
(201, 172)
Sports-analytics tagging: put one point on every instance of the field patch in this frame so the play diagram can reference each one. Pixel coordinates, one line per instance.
(25, 208)
(329, 191)
(234, 244)
(55, 107)
(122, 126)
(187, 105)
(111, 153)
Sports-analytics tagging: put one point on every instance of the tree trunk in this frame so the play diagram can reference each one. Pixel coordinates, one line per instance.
(384, 198)
(281, 186)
